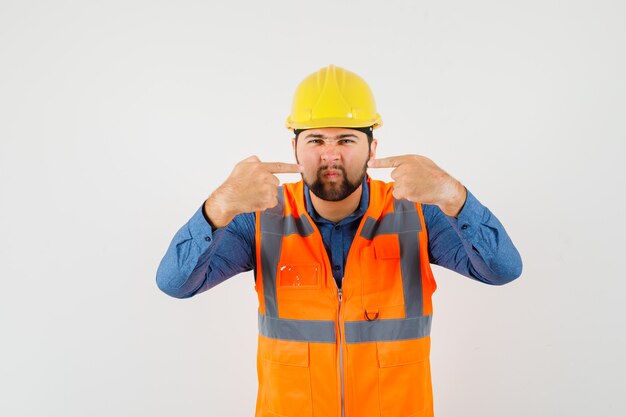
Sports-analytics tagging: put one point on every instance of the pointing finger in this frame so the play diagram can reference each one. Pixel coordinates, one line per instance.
(282, 168)
(389, 162)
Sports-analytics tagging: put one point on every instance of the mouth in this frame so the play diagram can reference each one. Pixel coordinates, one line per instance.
(332, 174)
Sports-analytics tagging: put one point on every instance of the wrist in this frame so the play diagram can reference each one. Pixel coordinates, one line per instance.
(217, 210)
(456, 200)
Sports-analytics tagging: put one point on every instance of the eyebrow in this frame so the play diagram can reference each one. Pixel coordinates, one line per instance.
(320, 136)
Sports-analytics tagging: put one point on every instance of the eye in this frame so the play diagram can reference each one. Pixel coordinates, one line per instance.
(346, 141)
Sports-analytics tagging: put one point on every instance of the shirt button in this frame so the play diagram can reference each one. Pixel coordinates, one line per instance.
(336, 267)
(337, 227)
(207, 238)
(464, 227)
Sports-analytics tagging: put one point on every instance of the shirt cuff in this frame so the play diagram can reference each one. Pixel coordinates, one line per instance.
(469, 218)
(200, 230)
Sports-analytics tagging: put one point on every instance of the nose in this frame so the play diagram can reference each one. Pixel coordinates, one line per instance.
(330, 153)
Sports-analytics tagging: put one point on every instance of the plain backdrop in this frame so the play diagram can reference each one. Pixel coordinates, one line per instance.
(118, 118)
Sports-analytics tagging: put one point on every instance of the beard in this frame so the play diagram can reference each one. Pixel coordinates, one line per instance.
(334, 190)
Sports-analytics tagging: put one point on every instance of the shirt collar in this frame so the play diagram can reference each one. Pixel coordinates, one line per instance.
(358, 213)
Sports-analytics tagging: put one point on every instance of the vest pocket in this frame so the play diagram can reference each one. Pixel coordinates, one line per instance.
(297, 276)
(381, 283)
(286, 378)
(403, 379)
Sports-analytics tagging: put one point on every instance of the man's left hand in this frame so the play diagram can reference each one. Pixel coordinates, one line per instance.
(418, 179)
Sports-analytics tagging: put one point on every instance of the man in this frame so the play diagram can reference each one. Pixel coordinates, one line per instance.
(341, 261)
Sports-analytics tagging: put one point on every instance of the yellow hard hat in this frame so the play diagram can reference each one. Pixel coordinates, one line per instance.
(333, 97)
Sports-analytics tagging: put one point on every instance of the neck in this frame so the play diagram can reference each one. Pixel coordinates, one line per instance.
(335, 211)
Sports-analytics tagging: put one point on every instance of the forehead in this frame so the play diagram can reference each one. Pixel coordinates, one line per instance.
(332, 132)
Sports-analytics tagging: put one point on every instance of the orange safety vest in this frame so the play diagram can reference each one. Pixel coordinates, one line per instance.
(356, 352)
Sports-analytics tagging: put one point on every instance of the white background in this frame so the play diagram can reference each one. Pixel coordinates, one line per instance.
(118, 118)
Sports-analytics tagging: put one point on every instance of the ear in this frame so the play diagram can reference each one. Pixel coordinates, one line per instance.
(293, 147)
(373, 148)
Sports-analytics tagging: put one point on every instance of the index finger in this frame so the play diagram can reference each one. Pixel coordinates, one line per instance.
(282, 167)
(388, 162)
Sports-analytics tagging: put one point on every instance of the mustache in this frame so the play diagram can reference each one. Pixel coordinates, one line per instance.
(323, 168)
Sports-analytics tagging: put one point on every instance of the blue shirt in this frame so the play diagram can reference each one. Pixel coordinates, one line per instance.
(473, 244)
(337, 237)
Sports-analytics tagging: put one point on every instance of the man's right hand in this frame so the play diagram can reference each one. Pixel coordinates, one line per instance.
(250, 187)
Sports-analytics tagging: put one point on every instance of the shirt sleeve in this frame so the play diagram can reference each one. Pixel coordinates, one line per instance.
(200, 257)
(474, 244)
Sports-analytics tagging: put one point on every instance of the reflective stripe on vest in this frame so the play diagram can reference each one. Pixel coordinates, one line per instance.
(322, 331)
(274, 225)
(404, 222)
(318, 331)
(387, 330)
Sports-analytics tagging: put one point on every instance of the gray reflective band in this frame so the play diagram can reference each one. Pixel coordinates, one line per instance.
(405, 223)
(410, 258)
(275, 224)
(273, 227)
(317, 331)
(273, 221)
(271, 242)
(403, 220)
(297, 226)
(387, 330)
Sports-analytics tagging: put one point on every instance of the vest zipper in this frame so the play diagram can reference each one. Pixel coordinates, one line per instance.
(339, 294)
(339, 335)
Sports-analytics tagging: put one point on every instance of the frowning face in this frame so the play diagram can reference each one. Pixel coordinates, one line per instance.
(334, 160)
